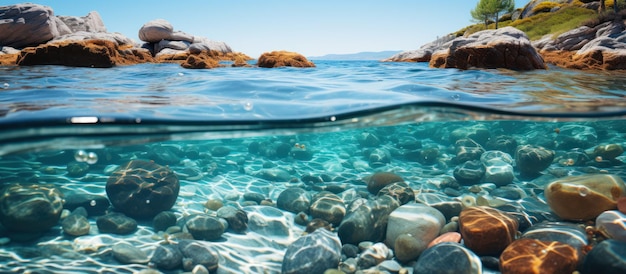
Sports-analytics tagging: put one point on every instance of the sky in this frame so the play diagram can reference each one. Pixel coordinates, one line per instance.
(311, 28)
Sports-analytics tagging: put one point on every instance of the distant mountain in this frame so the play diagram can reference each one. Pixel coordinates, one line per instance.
(368, 55)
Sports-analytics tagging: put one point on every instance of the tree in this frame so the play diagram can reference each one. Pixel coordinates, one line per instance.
(486, 9)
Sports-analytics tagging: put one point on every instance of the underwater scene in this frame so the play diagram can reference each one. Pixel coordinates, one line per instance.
(354, 167)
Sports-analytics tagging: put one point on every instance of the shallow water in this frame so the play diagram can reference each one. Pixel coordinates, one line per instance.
(234, 131)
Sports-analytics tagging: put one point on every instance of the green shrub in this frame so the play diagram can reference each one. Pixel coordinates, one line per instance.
(545, 7)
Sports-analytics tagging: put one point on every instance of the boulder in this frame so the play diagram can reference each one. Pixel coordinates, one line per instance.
(507, 47)
(142, 189)
(155, 31)
(87, 53)
(92, 22)
(487, 231)
(201, 60)
(313, 253)
(203, 44)
(30, 208)
(28, 24)
(276, 59)
(423, 54)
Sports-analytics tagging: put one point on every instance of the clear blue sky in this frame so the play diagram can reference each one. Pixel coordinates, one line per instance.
(312, 28)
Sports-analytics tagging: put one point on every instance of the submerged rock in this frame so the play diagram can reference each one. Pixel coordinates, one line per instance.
(76, 224)
(487, 231)
(312, 253)
(30, 208)
(142, 189)
(534, 256)
(608, 257)
(366, 220)
(417, 220)
(531, 160)
(452, 257)
(116, 223)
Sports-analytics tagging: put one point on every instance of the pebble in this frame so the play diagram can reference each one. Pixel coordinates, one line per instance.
(567, 233)
(204, 227)
(366, 220)
(613, 224)
(77, 169)
(487, 231)
(76, 224)
(348, 266)
(531, 159)
(373, 255)
(167, 257)
(329, 207)
(126, 253)
(452, 257)
(467, 150)
(534, 256)
(116, 223)
(198, 253)
(608, 257)
(312, 253)
(469, 172)
(294, 200)
(378, 180)
(418, 220)
(350, 250)
(452, 237)
(584, 197)
(401, 191)
(163, 220)
(237, 219)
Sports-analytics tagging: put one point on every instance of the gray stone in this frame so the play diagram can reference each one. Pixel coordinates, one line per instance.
(567, 233)
(168, 44)
(576, 136)
(198, 253)
(114, 37)
(155, 31)
(366, 220)
(328, 207)
(163, 220)
(28, 24)
(204, 227)
(608, 257)
(373, 255)
(167, 257)
(294, 200)
(92, 22)
(116, 223)
(126, 253)
(30, 208)
(452, 257)
(469, 173)
(76, 224)
(203, 44)
(237, 219)
(312, 253)
(531, 160)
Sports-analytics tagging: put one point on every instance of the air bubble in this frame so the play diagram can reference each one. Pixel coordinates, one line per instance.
(248, 106)
(92, 158)
(92, 203)
(456, 97)
(181, 74)
(5, 85)
(80, 156)
(583, 191)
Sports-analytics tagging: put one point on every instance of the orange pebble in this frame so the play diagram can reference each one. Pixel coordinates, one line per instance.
(453, 237)
(621, 204)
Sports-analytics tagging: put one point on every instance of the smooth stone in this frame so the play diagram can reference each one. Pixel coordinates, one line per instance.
(220, 151)
(418, 220)
(348, 266)
(399, 190)
(312, 253)
(116, 223)
(294, 200)
(366, 220)
(96, 205)
(477, 132)
(469, 172)
(567, 233)
(509, 193)
(167, 257)
(274, 174)
(198, 253)
(584, 197)
(379, 157)
(608, 152)
(531, 159)
(76, 224)
(368, 139)
(204, 227)
(390, 266)
(379, 180)
(328, 207)
(268, 221)
(77, 169)
(498, 172)
(452, 257)
(487, 231)
(350, 250)
(126, 253)
(142, 189)
(405, 244)
(504, 143)
(608, 257)
(467, 150)
(155, 31)
(448, 206)
(253, 196)
(301, 153)
(534, 256)
(199, 269)
(373, 255)
(613, 224)
(237, 219)
(448, 237)
(576, 136)
(492, 155)
(30, 208)
(163, 220)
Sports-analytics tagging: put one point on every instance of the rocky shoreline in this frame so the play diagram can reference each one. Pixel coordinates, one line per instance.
(602, 47)
(31, 34)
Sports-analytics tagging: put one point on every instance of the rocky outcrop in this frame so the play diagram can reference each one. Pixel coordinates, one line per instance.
(599, 47)
(167, 44)
(87, 53)
(423, 54)
(283, 59)
(92, 22)
(502, 48)
(28, 24)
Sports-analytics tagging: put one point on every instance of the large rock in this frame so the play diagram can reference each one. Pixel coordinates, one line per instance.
(312, 253)
(160, 29)
(420, 221)
(366, 220)
(142, 189)
(423, 54)
(30, 208)
(584, 197)
(92, 22)
(87, 53)
(607, 257)
(534, 256)
(276, 59)
(448, 258)
(507, 47)
(28, 24)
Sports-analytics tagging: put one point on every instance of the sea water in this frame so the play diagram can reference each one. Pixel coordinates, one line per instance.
(229, 133)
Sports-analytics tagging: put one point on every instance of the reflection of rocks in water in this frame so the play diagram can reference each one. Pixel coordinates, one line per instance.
(142, 189)
(30, 208)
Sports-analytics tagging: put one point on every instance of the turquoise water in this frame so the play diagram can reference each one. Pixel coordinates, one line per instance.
(232, 133)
